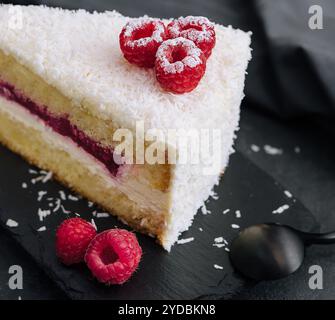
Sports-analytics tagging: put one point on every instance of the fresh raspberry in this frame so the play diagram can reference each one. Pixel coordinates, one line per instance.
(140, 39)
(197, 29)
(180, 65)
(113, 256)
(72, 239)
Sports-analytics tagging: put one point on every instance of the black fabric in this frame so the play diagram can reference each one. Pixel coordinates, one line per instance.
(297, 76)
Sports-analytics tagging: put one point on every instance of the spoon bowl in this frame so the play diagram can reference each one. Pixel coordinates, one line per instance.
(267, 251)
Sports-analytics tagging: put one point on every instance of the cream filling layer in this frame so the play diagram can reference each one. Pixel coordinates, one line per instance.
(134, 187)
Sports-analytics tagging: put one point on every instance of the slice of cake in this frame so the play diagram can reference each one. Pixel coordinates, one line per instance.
(67, 95)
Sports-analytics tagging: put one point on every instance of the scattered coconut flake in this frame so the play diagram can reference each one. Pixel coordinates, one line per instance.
(47, 177)
(93, 224)
(41, 229)
(272, 150)
(32, 171)
(35, 180)
(72, 198)
(58, 205)
(297, 149)
(62, 195)
(214, 196)
(204, 210)
(255, 148)
(12, 223)
(219, 245)
(216, 266)
(200, 229)
(238, 214)
(102, 215)
(42, 214)
(288, 194)
(235, 226)
(41, 194)
(220, 242)
(227, 249)
(226, 211)
(281, 209)
(24, 185)
(183, 241)
(218, 239)
(90, 204)
(64, 210)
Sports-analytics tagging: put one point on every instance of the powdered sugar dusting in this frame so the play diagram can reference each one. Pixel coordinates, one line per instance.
(176, 28)
(191, 60)
(140, 23)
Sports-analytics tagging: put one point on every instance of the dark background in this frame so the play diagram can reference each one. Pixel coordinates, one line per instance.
(290, 103)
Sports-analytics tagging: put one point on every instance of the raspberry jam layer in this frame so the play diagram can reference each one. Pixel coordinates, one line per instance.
(63, 126)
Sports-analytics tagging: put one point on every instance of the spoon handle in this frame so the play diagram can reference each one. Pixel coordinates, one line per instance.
(319, 238)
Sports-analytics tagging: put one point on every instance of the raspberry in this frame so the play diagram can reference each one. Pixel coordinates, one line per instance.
(197, 29)
(180, 65)
(72, 239)
(140, 39)
(113, 256)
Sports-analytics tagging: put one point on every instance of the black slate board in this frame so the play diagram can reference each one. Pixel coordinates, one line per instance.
(187, 272)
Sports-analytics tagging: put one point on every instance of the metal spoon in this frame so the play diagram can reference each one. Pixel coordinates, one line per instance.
(272, 251)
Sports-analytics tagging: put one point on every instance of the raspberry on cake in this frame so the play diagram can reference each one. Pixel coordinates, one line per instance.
(197, 29)
(179, 65)
(140, 39)
(65, 89)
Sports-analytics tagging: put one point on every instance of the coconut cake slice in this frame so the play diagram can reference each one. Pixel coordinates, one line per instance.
(66, 91)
